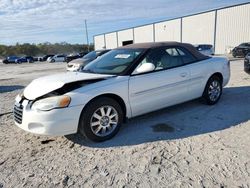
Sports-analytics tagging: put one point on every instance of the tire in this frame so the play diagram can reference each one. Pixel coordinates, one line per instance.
(5, 61)
(52, 61)
(106, 116)
(213, 90)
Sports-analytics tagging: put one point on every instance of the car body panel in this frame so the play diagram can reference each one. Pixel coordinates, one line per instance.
(201, 71)
(57, 58)
(149, 97)
(44, 85)
(206, 49)
(25, 59)
(11, 59)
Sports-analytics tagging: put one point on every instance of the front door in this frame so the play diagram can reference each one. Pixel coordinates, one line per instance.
(165, 86)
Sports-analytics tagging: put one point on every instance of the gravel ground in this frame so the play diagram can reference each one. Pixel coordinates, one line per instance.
(188, 145)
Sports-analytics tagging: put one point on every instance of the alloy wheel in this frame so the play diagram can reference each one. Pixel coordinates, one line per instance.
(214, 90)
(104, 121)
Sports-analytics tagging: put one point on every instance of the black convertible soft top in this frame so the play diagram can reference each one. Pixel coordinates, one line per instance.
(149, 45)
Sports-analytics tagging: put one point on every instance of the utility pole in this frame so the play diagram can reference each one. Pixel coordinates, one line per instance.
(87, 35)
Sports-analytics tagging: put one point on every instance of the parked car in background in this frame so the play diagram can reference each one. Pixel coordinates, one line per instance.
(78, 64)
(25, 59)
(75, 56)
(10, 59)
(247, 63)
(57, 58)
(36, 58)
(242, 50)
(44, 58)
(126, 82)
(206, 49)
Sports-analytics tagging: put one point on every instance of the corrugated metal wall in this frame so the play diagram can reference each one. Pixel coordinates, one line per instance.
(233, 27)
(199, 28)
(168, 31)
(125, 35)
(111, 40)
(224, 28)
(144, 34)
(99, 42)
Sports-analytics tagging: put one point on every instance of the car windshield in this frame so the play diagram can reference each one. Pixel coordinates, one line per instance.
(113, 62)
(90, 55)
(245, 44)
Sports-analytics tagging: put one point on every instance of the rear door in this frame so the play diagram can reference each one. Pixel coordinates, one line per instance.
(165, 86)
(199, 71)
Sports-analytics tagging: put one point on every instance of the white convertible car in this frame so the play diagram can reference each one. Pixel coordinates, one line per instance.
(124, 83)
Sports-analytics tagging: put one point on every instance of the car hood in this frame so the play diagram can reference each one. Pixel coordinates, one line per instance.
(79, 61)
(47, 84)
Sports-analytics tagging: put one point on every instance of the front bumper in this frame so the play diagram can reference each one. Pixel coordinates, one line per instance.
(56, 122)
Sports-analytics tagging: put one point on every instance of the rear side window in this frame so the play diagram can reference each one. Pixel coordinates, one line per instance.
(186, 56)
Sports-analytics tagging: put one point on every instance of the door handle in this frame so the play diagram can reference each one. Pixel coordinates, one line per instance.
(184, 74)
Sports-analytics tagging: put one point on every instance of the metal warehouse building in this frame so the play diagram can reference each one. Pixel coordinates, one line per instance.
(224, 28)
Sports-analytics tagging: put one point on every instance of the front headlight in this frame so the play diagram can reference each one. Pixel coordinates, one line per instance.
(77, 66)
(52, 103)
(19, 97)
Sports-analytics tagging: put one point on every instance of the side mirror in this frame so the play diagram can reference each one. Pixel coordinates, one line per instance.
(145, 67)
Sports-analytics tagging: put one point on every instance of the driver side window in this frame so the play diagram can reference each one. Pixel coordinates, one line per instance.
(153, 57)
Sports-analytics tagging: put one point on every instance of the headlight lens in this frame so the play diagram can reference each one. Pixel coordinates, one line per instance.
(52, 103)
(77, 66)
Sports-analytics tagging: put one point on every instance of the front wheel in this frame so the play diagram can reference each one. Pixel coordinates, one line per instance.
(101, 119)
(213, 90)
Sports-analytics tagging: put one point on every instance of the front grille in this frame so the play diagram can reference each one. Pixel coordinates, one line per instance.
(18, 114)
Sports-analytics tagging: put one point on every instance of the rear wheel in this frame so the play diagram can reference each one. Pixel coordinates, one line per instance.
(101, 119)
(213, 90)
